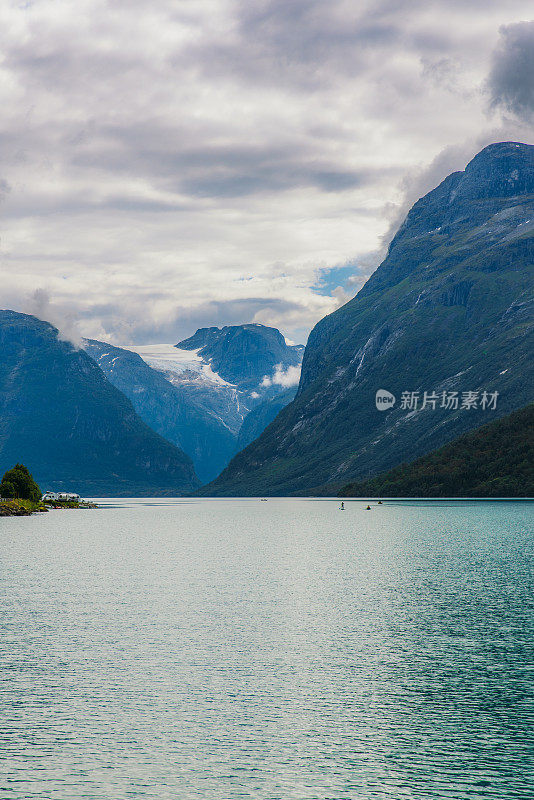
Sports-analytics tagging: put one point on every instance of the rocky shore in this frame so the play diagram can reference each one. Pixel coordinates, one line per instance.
(24, 508)
(19, 508)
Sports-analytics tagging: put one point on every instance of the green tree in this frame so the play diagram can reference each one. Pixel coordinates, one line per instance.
(18, 482)
(7, 489)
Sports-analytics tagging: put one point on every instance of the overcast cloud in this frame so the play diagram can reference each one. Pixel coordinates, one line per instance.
(166, 165)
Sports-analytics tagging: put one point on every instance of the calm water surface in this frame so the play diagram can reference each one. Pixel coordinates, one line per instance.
(241, 649)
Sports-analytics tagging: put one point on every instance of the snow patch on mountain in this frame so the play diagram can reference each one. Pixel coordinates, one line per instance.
(173, 361)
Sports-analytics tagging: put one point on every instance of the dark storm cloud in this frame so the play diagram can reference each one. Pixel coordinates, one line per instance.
(300, 43)
(511, 80)
(282, 178)
(312, 44)
(214, 171)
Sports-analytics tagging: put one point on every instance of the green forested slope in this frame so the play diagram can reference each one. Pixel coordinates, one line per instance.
(496, 460)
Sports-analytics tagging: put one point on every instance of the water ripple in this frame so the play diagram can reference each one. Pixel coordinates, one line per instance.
(280, 650)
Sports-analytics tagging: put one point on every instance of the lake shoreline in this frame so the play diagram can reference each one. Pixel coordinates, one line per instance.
(20, 508)
(26, 508)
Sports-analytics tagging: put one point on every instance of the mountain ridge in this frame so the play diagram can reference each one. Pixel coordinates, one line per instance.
(449, 309)
(76, 431)
(244, 354)
(168, 409)
(185, 395)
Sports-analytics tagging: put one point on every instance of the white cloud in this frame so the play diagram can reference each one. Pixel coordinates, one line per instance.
(283, 377)
(165, 166)
(38, 304)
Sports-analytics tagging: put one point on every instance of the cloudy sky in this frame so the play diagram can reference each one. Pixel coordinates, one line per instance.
(168, 164)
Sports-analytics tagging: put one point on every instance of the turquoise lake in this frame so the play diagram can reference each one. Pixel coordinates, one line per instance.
(225, 649)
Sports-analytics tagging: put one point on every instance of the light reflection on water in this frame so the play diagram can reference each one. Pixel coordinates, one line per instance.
(239, 649)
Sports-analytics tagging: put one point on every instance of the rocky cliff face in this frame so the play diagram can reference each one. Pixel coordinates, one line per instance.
(244, 354)
(74, 430)
(261, 416)
(449, 310)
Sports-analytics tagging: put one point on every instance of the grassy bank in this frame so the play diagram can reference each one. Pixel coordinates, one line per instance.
(20, 508)
(23, 508)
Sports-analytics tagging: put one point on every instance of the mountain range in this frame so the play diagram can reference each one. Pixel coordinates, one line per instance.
(437, 343)
(245, 354)
(199, 393)
(448, 313)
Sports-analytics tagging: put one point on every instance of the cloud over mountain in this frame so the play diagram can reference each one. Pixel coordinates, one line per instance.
(162, 162)
(283, 377)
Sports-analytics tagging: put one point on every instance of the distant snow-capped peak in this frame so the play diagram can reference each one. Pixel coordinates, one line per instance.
(173, 361)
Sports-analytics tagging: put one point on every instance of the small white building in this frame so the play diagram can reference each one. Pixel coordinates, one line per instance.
(64, 496)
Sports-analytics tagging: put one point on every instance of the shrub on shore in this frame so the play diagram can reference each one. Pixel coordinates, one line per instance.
(18, 483)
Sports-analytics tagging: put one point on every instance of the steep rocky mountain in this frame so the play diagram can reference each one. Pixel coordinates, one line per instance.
(198, 393)
(244, 354)
(193, 420)
(450, 310)
(70, 426)
(262, 415)
(496, 460)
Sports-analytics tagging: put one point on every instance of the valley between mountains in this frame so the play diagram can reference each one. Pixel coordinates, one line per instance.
(444, 327)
